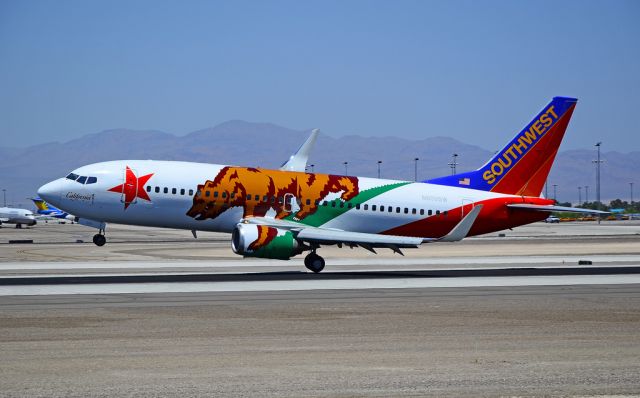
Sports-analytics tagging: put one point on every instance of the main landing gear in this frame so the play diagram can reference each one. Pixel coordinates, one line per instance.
(314, 262)
(99, 238)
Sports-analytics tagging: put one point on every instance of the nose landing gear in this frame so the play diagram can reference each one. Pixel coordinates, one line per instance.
(314, 262)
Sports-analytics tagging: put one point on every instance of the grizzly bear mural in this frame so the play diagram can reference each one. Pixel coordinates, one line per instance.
(258, 190)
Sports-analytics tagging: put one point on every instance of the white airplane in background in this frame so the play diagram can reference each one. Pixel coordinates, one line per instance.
(278, 214)
(10, 215)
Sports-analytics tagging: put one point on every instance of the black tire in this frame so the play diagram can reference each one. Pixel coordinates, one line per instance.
(314, 263)
(99, 239)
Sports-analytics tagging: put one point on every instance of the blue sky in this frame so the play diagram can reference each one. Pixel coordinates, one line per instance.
(475, 71)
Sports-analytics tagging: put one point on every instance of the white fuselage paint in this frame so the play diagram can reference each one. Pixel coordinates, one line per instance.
(10, 215)
(96, 202)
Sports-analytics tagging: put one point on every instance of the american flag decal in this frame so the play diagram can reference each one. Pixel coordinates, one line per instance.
(464, 181)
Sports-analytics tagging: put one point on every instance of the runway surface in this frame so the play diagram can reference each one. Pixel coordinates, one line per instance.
(479, 341)
(155, 313)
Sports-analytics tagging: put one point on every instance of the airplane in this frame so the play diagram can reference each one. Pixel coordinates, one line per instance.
(278, 214)
(48, 210)
(10, 215)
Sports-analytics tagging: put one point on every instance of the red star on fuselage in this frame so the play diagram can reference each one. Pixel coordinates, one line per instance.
(133, 187)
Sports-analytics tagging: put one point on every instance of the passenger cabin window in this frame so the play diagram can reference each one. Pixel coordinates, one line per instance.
(422, 212)
(207, 193)
(182, 191)
(148, 188)
(437, 212)
(174, 191)
(157, 189)
(430, 212)
(366, 207)
(191, 192)
(166, 190)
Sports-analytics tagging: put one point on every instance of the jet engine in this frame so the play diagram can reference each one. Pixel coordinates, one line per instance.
(262, 241)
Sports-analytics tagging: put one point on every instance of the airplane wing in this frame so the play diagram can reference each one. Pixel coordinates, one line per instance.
(368, 241)
(298, 161)
(551, 208)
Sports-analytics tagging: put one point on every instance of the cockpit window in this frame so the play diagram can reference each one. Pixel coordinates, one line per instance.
(82, 179)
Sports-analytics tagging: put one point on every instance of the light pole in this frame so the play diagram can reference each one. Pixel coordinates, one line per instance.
(586, 193)
(554, 192)
(346, 168)
(415, 169)
(546, 189)
(379, 163)
(312, 165)
(4, 194)
(597, 162)
(453, 163)
(579, 196)
(631, 192)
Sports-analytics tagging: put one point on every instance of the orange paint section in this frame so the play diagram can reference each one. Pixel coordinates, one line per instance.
(494, 216)
(528, 175)
(265, 236)
(239, 186)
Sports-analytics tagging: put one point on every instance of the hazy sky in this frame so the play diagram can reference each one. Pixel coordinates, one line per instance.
(476, 71)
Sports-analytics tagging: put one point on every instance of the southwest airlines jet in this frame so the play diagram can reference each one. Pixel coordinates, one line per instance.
(279, 214)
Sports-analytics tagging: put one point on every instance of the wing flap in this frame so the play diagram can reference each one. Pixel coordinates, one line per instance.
(327, 236)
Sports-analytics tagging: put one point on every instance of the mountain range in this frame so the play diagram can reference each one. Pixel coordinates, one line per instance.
(237, 142)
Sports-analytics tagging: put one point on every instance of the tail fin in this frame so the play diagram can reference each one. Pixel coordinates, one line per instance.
(522, 166)
(40, 204)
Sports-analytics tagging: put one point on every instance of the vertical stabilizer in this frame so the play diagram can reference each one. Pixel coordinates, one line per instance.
(522, 166)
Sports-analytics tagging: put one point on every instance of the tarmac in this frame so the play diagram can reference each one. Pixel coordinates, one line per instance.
(157, 313)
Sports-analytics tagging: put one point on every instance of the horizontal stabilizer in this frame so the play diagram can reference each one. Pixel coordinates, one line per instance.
(551, 208)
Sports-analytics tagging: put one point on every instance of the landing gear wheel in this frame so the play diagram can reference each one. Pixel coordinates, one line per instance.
(99, 239)
(314, 263)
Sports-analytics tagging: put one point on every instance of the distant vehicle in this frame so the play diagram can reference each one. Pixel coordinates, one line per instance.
(49, 210)
(552, 220)
(9, 215)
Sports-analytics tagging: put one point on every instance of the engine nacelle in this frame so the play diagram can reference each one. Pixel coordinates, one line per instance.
(252, 240)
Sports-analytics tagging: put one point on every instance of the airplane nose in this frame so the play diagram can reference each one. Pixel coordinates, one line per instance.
(51, 192)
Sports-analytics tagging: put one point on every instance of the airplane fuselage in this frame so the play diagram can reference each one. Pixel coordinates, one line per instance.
(210, 197)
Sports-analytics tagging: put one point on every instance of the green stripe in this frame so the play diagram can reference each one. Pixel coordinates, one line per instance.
(327, 213)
